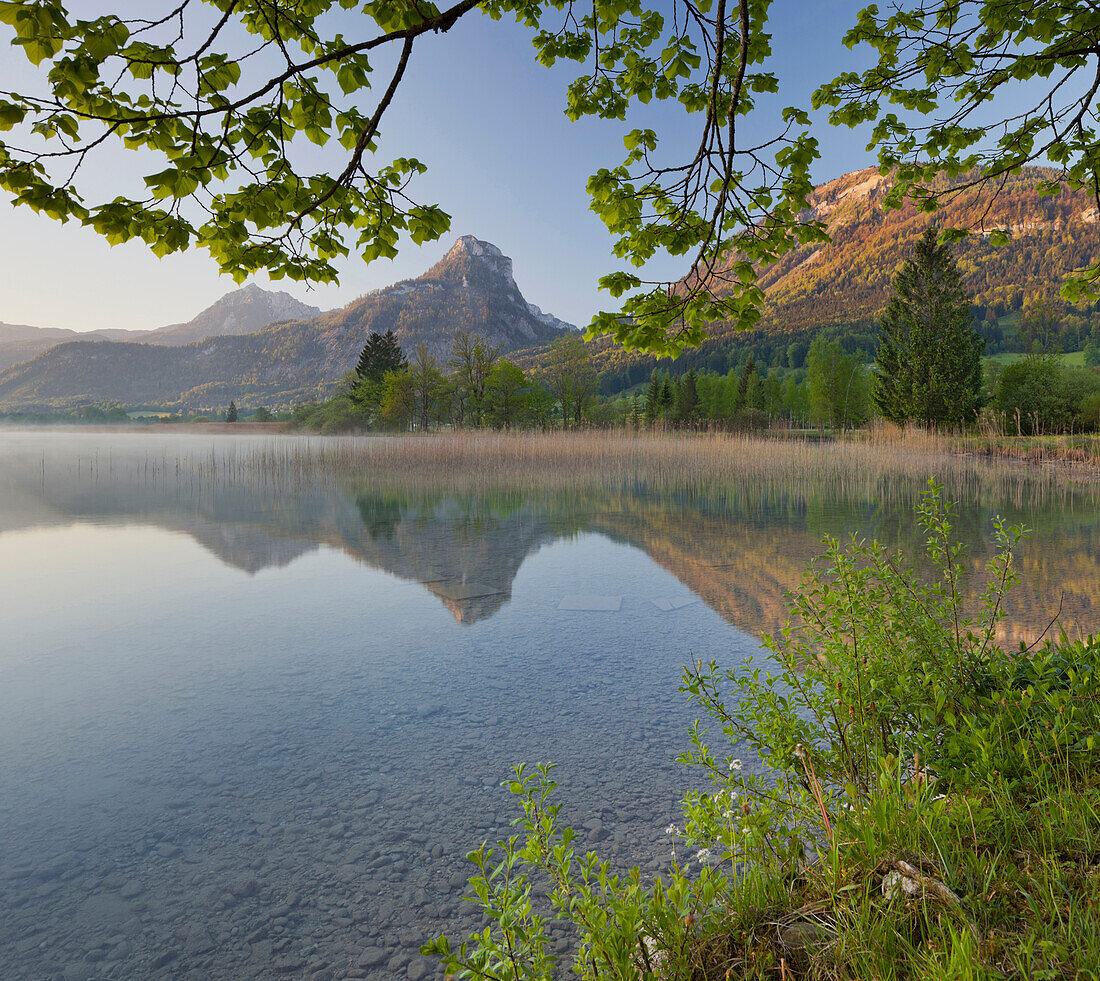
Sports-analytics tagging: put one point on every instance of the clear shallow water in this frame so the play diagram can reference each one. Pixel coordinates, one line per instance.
(247, 731)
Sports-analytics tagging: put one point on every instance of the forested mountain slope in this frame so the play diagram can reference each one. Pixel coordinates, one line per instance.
(20, 342)
(846, 283)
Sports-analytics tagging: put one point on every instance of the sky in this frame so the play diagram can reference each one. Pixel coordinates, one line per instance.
(503, 160)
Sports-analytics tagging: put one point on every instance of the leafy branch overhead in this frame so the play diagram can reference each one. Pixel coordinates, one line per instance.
(224, 99)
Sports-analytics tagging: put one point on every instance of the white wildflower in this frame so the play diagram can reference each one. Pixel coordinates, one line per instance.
(672, 830)
(703, 856)
(735, 765)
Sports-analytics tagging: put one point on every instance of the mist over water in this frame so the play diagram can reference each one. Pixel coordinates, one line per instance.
(255, 707)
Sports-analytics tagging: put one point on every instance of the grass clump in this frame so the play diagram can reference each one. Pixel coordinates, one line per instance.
(929, 806)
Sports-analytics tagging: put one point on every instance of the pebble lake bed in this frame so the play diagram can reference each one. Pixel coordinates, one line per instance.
(251, 731)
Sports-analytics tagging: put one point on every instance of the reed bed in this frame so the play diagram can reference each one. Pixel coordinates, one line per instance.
(875, 466)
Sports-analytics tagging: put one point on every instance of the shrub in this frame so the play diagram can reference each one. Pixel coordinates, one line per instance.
(1090, 411)
(923, 791)
(1044, 395)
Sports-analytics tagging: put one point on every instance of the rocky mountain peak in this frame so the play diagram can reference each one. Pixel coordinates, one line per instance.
(472, 254)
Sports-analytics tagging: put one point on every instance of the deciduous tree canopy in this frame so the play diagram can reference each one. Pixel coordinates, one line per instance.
(220, 95)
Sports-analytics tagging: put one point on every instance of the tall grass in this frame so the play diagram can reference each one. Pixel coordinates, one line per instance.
(881, 466)
(477, 459)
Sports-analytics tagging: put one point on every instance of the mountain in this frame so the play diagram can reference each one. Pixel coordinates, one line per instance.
(849, 278)
(18, 342)
(470, 288)
(240, 312)
(243, 311)
(846, 282)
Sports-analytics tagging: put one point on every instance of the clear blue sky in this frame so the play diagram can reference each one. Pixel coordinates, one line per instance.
(503, 160)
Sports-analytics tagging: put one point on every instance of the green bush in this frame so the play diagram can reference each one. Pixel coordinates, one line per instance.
(1043, 395)
(339, 415)
(1090, 411)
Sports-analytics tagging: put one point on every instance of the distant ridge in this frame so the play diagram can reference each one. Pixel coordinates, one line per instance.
(19, 342)
(303, 357)
(241, 311)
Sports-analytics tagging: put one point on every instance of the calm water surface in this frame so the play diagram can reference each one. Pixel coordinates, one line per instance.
(249, 730)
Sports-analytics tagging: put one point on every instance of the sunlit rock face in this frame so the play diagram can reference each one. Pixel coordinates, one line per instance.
(471, 288)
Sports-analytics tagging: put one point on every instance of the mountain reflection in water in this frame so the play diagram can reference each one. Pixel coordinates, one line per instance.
(740, 548)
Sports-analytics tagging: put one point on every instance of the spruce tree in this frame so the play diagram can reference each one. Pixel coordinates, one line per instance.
(667, 396)
(367, 356)
(929, 357)
(653, 398)
(380, 354)
(231, 412)
(687, 400)
(747, 378)
(391, 355)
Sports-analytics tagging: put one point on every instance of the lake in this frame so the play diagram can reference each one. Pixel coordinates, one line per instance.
(258, 694)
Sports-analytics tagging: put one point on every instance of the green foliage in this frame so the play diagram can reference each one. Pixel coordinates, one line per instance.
(379, 385)
(625, 927)
(1039, 327)
(838, 386)
(472, 362)
(1040, 395)
(380, 354)
(231, 412)
(1092, 352)
(233, 171)
(233, 177)
(879, 662)
(506, 396)
(338, 415)
(929, 357)
(687, 400)
(568, 374)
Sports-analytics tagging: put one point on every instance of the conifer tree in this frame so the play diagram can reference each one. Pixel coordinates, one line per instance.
(231, 412)
(667, 396)
(653, 398)
(687, 400)
(929, 356)
(380, 354)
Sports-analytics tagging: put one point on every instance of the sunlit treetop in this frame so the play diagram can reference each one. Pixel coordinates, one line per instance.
(219, 97)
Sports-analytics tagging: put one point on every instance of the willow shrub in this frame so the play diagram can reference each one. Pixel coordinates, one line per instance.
(884, 701)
